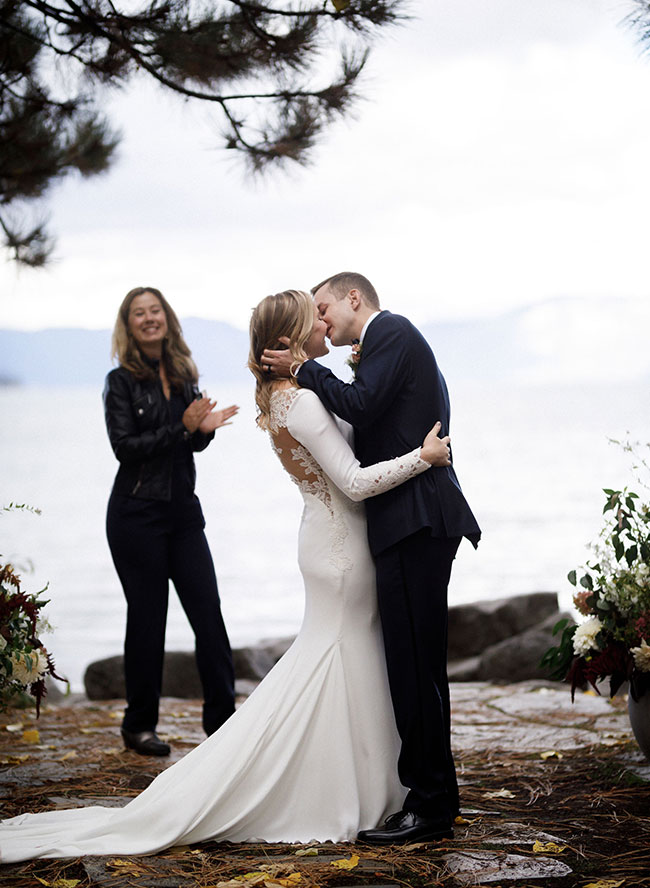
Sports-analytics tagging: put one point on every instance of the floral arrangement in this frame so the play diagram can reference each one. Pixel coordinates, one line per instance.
(613, 594)
(355, 355)
(24, 661)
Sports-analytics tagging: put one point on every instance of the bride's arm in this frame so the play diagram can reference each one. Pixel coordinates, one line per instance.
(314, 427)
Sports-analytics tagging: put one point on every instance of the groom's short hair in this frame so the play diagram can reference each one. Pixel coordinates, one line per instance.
(341, 284)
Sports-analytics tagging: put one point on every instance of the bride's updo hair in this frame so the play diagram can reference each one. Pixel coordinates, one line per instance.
(290, 314)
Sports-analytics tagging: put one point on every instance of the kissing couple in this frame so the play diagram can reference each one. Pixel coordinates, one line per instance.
(348, 737)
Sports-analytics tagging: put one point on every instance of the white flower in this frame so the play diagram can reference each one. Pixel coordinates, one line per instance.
(43, 626)
(28, 668)
(584, 639)
(642, 656)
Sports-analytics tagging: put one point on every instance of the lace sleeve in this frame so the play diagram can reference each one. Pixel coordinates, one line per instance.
(311, 424)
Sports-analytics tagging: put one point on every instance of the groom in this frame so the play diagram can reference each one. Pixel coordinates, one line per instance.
(414, 531)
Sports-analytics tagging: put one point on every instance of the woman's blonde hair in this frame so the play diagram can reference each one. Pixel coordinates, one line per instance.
(176, 356)
(290, 314)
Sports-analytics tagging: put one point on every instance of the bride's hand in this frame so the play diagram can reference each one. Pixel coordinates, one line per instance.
(435, 450)
(217, 418)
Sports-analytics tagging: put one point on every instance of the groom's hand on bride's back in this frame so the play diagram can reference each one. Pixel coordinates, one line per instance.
(435, 450)
(279, 362)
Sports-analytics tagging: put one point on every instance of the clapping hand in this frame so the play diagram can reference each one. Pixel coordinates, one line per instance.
(196, 412)
(201, 415)
(217, 418)
(435, 450)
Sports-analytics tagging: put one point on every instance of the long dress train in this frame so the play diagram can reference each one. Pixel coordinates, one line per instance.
(312, 753)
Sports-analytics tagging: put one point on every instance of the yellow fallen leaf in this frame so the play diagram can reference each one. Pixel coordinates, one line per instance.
(59, 883)
(287, 882)
(31, 735)
(346, 864)
(340, 5)
(269, 874)
(499, 794)
(306, 852)
(276, 869)
(605, 883)
(15, 759)
(551, 753)
(541, 847)
(127, 867)
(461, 821)
(69, 755)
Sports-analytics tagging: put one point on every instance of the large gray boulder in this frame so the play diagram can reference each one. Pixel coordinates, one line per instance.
(253, 663)
(517, 658)
(104, 679)
(476, 626)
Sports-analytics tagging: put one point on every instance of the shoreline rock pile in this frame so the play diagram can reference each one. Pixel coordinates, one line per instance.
(501, 640)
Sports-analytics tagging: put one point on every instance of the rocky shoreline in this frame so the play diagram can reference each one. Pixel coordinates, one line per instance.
(500, 640)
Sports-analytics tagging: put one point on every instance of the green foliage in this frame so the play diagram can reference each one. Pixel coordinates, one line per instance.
(557, 660)
(265, 66)
(614, 594)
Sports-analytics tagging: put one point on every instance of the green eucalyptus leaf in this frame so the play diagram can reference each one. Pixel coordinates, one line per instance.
(631, 555)
(560, 625)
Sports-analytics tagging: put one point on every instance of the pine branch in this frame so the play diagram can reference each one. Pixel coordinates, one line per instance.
(31, 247)
(273, 51)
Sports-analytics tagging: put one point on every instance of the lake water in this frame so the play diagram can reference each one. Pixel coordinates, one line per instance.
(531, 460)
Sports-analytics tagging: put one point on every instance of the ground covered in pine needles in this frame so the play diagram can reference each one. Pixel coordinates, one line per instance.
(577, 817)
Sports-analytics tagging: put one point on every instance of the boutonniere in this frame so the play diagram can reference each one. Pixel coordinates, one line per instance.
(355, 355)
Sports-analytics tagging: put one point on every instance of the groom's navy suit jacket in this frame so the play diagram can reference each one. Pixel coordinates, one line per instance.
(397, 396)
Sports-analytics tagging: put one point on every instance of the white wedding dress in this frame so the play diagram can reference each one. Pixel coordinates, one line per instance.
(312, 753)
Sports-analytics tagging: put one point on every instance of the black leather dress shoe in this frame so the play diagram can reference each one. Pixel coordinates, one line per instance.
(404, 827)
(145, 743)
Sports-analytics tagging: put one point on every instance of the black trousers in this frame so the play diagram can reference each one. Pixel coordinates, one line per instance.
(151, 543)
(412, 580)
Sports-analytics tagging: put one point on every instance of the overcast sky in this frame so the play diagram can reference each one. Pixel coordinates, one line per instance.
(500, 158)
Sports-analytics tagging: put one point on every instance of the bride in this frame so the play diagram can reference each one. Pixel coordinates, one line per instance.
(312, 753)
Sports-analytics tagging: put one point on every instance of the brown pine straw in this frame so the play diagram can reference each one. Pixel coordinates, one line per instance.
(588, 799)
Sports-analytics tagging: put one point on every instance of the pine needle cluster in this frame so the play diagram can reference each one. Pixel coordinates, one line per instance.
(278, 71)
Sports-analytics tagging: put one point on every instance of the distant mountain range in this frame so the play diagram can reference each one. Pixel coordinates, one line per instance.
(572, 340)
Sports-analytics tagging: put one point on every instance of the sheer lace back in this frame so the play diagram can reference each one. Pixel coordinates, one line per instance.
(294, 456)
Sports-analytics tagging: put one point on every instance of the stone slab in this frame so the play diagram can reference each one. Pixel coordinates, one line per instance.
(480, 867)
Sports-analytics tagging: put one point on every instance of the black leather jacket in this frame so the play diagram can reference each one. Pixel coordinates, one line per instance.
(143, 436)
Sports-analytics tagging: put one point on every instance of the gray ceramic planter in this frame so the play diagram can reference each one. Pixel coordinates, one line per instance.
(639, 712)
